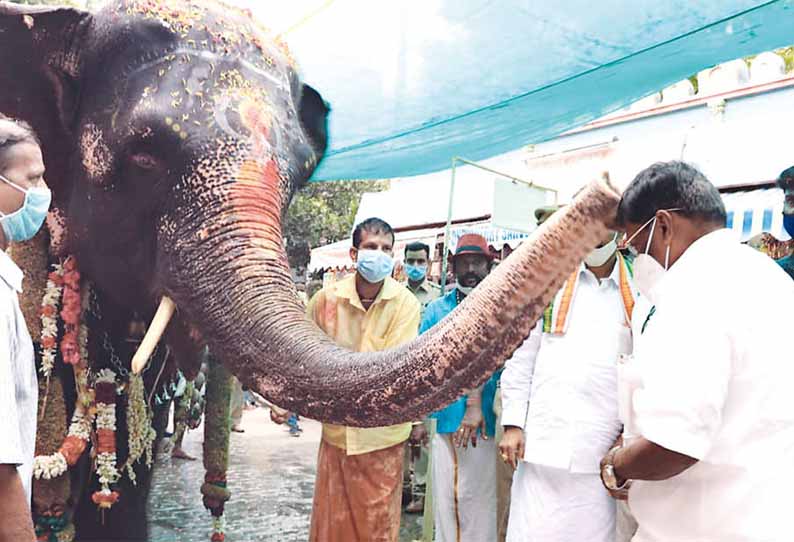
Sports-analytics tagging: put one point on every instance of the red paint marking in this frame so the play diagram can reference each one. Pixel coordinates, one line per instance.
(257, 120)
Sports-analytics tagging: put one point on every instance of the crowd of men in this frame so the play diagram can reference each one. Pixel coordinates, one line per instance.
(651, 401)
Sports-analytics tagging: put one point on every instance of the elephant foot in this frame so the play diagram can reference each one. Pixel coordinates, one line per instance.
(179, 453)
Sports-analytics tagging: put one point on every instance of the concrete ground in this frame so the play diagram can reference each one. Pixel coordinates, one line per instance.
(271, 477)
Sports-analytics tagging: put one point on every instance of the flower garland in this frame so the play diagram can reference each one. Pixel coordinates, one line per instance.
(70, 313)
(218, 533)
(105, 390)
(49, 467)
(50, 497)
(216, 445)
(49, 322)
(141, 434)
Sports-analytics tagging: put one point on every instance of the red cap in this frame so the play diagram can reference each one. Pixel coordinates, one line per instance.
(473, 243)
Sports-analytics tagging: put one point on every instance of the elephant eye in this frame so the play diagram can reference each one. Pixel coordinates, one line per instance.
(144, 160)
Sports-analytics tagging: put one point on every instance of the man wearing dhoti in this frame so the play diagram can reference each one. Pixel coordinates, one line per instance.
(462, 452)
(358, 490)
(560, 405)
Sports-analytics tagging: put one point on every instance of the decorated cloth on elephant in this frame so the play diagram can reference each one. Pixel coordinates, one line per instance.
(359, 470)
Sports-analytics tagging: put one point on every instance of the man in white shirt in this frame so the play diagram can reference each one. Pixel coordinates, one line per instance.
(568, 366)
(712, 410)
(24, 200)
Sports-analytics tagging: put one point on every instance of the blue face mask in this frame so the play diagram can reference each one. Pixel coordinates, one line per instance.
(374, 265)
(416, 273)
(26, 221)
(788, 224)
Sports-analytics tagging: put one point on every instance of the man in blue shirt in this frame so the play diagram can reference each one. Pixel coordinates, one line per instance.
(464, 477)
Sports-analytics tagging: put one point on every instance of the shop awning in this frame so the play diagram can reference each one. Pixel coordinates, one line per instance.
(754, 211)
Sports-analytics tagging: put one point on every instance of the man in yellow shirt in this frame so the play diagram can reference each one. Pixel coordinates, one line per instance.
(358, 489)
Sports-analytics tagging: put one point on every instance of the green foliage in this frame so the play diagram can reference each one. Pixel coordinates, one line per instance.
(323, 213)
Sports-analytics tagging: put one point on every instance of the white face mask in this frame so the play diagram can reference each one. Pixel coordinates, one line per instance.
(648, 273)
(465, 290)
(601, 255)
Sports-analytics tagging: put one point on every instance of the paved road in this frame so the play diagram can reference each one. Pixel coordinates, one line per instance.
(271, 477)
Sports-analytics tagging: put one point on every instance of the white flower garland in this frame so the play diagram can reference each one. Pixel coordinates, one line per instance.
(81, 424)
(49, 322)
(106, 419)
(47, 467)
(51, 466)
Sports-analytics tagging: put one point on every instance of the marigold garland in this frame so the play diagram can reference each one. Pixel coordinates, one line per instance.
(107, 473)
(70, 312)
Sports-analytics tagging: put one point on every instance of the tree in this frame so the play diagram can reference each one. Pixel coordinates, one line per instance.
(323, 213)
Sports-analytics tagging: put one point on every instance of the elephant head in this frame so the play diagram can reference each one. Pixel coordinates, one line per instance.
(175, 133)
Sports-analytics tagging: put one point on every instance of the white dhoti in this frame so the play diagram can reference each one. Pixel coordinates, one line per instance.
(554, 505)
(464, 490)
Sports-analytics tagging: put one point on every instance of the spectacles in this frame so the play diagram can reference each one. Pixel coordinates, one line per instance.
(625, 242)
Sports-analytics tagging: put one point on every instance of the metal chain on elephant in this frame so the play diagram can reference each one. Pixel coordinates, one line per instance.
(107, 344)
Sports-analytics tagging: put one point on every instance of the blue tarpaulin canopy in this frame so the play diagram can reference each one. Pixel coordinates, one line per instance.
(413, 83)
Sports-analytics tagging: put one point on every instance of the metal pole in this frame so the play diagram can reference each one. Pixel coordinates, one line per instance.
(443, 278)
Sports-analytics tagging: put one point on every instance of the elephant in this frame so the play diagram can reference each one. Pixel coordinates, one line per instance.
(175, 133)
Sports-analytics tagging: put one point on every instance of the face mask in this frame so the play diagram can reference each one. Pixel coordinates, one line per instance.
(788, 224)
(465, 290)
(648, 273)
(374, 265)
(600, 256)
(23, 223)
(416, 272)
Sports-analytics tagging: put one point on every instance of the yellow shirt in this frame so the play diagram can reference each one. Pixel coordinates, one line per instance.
(392, 319)
(426, 292)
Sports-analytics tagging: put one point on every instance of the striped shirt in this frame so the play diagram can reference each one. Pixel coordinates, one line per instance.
(19, 390)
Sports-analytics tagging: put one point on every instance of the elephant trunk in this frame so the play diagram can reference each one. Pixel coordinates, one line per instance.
(234, 283)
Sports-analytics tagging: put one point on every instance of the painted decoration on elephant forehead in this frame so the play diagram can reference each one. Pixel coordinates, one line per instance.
(251, 103)
(187, 16)
(97, 157)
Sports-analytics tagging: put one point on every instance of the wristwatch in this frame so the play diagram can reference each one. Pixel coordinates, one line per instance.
(608, 476)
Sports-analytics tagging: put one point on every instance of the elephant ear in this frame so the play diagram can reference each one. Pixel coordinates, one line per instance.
(40, 65)
(314, 118)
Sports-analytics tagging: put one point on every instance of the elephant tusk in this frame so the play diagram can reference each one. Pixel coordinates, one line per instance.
(156, 329)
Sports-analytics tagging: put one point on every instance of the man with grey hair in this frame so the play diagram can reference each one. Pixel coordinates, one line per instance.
(708, 448)
(24, 201)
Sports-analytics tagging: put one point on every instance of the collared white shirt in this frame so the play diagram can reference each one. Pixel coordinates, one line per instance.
(716, 371)
(572, 419)
(19, 391)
